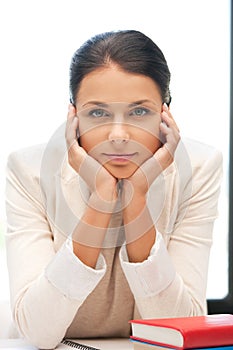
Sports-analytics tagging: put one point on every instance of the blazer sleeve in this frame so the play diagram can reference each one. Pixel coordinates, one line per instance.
(47, 287)
(188, 251)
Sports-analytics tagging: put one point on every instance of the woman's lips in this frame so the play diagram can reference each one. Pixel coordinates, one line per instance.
(119, 157)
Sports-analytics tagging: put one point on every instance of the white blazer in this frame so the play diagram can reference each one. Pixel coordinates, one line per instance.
(54, 295)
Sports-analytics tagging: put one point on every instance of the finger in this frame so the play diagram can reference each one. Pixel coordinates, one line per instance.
(154, 166)
(71, 131)
(167, 113)
(71, 126)
(89, 170)
(164, 156)
(169, 120)
(172, 137)
(71, 111)
(170, 132)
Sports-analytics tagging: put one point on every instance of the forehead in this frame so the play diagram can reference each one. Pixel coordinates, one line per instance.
(111, 84)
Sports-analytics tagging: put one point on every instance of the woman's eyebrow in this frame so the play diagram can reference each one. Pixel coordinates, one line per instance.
(97, 103)
(141, 102)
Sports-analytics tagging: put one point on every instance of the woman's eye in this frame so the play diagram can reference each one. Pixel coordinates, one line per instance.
(98, 113)
(139, 111)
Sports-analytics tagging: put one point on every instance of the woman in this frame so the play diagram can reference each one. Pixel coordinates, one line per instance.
(113, 218)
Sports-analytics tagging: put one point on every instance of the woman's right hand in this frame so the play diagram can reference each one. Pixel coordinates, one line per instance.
(102, 184)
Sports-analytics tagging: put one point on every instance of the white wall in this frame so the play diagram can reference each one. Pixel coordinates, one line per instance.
(38, 38)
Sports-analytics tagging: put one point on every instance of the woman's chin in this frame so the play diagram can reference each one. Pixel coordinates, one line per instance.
(121, 172)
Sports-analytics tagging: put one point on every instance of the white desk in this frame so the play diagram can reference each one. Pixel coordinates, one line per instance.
(103, 344)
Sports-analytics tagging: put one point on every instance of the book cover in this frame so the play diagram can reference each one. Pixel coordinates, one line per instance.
(137, 345)
(185, 332)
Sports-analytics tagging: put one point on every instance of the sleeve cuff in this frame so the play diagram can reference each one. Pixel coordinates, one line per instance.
(151, 276)
(71, 276)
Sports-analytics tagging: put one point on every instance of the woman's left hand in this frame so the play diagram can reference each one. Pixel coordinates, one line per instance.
(140, 182)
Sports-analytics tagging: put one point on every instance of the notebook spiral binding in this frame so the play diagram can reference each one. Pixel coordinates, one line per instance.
(77, 345)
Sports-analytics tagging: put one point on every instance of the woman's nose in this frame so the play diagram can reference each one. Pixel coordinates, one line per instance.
(118, 133)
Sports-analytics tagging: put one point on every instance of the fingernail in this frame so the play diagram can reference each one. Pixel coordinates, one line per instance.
(165, 106)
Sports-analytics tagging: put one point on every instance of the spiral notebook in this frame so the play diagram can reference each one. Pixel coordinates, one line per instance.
(71, 344)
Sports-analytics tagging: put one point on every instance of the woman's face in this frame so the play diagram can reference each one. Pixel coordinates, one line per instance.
(119, 117)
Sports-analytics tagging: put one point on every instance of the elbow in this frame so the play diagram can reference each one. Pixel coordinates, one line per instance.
(39, 334)
(197, 308)
(45, 344)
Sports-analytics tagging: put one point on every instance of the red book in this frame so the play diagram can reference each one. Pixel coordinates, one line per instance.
(185, 332)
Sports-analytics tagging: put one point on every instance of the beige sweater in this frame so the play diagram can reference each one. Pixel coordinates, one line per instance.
(54, 295)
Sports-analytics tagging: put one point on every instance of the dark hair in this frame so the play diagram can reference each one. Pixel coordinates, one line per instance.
(131, 50)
